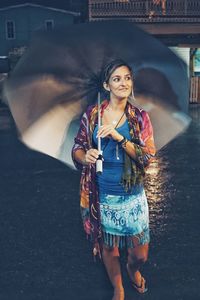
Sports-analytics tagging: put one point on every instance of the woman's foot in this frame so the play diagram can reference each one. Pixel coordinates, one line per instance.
(140, 288)
(137, 281)
(118, 294)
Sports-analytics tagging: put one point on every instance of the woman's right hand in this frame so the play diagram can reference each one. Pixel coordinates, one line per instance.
(91, 156)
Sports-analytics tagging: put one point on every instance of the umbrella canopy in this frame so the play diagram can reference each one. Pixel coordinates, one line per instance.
(60, 73)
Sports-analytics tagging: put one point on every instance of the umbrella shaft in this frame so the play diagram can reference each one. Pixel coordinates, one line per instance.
(99, 120)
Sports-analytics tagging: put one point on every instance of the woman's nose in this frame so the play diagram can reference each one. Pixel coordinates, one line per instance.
(123, 81)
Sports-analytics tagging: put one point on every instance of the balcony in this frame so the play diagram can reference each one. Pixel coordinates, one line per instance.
(173, 11)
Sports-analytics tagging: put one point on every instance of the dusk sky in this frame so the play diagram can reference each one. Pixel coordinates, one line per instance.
(52, 3)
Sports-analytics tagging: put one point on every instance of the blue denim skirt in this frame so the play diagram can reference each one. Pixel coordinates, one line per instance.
(124, 220)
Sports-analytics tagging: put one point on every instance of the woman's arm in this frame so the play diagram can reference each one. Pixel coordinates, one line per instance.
(109, 130)
(141, 153)
(82, 154)
(144, 152)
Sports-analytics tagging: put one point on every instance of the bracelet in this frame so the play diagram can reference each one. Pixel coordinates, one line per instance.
(123, 142)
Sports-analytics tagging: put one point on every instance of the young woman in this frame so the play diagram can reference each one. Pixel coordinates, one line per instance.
(114, 205)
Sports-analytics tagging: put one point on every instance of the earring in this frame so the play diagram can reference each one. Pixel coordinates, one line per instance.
(132, 95)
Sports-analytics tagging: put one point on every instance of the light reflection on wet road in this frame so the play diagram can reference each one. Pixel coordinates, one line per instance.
(44, 254)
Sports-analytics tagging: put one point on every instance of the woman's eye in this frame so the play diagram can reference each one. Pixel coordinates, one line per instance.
(117, 79)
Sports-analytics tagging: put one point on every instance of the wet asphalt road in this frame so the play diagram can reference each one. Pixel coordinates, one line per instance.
(43, 251)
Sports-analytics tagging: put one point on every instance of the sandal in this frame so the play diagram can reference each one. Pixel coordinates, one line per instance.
(142, 288)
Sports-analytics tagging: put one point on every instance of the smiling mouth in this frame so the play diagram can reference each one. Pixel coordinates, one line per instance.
(124, 89)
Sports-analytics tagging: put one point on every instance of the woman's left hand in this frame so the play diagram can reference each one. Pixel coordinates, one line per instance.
(109, 131)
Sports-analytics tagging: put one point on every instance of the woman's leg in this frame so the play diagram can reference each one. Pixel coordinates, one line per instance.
(112, 264)
(136, 258)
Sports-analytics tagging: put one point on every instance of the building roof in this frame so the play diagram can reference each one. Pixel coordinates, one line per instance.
(40, 6)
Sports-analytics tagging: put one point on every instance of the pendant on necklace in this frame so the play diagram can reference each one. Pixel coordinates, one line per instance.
(117, 152)
(114, 122)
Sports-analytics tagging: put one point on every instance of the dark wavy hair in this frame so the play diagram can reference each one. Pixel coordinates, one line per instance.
(111, 67)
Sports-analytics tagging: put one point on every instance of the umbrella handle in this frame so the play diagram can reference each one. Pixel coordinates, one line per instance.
(99, 163)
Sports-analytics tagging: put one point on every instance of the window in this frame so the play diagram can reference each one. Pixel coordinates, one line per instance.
(10, 30)
(49, 24)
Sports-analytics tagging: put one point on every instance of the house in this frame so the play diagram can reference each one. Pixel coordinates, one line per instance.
(18, 22)
(175, 22)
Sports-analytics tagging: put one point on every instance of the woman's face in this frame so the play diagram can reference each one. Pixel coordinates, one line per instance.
(120, 83)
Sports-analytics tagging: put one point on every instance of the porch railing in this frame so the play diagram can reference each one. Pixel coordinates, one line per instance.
(181, 10)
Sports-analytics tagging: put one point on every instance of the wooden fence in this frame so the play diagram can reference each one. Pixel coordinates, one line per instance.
(195, 89)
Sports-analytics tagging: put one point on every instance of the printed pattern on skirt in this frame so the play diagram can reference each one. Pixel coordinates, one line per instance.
(124, 219)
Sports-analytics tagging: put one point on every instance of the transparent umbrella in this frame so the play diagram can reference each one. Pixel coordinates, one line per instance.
(59, 75)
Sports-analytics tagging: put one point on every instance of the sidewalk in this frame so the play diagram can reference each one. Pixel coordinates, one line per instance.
(44, 253)
(6, 120)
